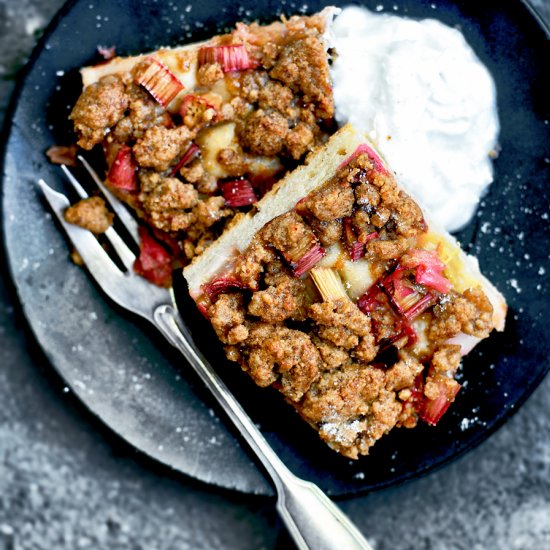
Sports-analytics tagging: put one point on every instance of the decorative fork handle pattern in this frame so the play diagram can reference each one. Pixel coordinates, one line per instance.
(313, 520)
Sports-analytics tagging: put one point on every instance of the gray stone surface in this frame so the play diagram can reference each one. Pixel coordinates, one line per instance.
(66, 482)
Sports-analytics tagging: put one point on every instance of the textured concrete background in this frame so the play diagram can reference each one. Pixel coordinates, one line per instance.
(66, 482)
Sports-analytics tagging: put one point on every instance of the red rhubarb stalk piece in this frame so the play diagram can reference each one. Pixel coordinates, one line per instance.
(191, 154)
(160, 81)
(373, 157)
(308, 260)
(406, 331)
(403, 294)
(433, 409)
(421, 305)
(408, 302)
(427, 276)
(231, 57)
(122, 173)
(167, 240)
(368, 302)
(365, 238)
(154, 262)
(238, 192)
(356, 249)
(376, 298)
(263, 182)
(222, 284)
(429, 269)
(395, 285)
(418, 256)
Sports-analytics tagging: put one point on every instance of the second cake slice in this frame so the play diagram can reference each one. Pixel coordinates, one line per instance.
(337, 292)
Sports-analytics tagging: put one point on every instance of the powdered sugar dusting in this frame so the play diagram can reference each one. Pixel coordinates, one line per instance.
(342, 432)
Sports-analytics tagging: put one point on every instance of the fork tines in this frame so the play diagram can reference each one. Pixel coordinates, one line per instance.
(125, 287)
(96, 259)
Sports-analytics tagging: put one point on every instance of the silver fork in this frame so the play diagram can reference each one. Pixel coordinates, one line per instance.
(312, 519)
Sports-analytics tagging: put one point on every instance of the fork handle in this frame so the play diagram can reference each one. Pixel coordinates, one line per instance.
(312, 519)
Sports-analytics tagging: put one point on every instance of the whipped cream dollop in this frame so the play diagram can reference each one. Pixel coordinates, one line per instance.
(429, 104)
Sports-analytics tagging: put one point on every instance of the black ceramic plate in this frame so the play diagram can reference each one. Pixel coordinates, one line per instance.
(122, 371)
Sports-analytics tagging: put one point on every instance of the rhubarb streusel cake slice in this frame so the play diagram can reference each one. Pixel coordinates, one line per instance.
(195, 134)
(337, 292)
